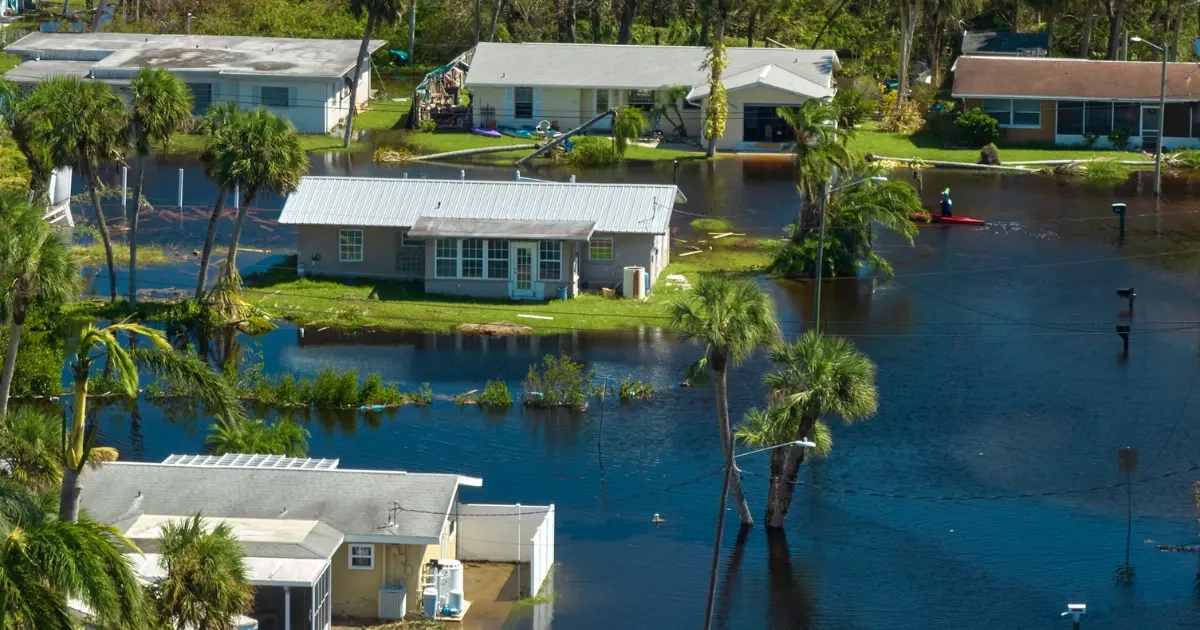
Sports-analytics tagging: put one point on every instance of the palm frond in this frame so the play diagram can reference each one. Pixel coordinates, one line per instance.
(731, 315)
(188, 373)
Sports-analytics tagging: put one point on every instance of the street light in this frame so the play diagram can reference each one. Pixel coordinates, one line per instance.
(716, 561)
(1075, 611)
(825, 192)
(1162, 106)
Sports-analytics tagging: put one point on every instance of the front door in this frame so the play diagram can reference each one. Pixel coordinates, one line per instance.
(521, 285)
(1150, 128)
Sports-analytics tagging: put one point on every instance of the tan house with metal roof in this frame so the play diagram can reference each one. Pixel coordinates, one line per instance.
(1066, 101)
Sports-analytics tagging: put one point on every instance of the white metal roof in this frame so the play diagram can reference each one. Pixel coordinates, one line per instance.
(242, 460)
(385, 202)
(260, 571)
(630, 67)
(769, 75)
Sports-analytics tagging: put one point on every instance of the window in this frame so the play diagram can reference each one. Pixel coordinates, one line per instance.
(350, 245)
(601, 101)
(472, 258)
(410, 255)
(549, 260)
(362, 556)
(762, 123)
(1070, 118)
(445, 258)
(643, 99)
(272, 96)
(1026, 113)
(1000, 109)
(1195, 120)
(600, 248)
(497, 254)
(202, 96)
(523, 102)
(1097, 117)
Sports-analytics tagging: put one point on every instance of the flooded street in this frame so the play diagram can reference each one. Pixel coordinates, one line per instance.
(984, 494)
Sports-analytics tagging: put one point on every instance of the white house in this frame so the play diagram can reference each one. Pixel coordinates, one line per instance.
(304, 80)
(522, 84)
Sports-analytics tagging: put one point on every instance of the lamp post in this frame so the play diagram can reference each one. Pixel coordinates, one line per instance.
(1162, 106)
(825, 191)
(716, 560)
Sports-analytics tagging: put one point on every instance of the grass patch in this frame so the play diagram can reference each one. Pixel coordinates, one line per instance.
(1106, 171)
(8, 62)
(531, 601)
(405, 305)
(712, 225)
(93, 254)
(925, 146)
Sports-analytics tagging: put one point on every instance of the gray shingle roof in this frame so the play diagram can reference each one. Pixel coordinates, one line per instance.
(1002, 42)
(630, 67)
(354, 502)
(385, 202)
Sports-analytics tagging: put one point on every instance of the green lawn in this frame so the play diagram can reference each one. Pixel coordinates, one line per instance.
(924, 146)
(404, 305)
(8, 62)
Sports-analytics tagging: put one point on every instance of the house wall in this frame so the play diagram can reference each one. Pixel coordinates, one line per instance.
(355, 592)
(497, 289)
(571, 107)
(309, 109)
(1027, 135)
(629, 250)
(379, 251)
(759, 95)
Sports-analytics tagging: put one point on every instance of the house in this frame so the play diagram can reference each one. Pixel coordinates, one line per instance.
(1005, 43)
(1074, 101)
(303, 80)
(520, 85)
(522, 239)
(320, 541)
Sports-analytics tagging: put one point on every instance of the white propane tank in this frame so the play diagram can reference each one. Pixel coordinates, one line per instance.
(456, 601)
(429, 597)
(454, 569)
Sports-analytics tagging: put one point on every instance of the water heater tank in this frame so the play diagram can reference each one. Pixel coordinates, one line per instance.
(454, 569)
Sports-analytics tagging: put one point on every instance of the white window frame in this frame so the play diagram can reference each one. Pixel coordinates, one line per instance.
(503, 246)
(481, 258)
(542, 278)
(457, 258)
(361, 246)
(350, 557)
(532, 103)
(1012, 111)
(597, 242)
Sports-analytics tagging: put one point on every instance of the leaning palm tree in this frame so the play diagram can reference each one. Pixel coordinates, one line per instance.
(31, 445)
(815, 377)
(819, 146)
(161, 107)
(15, 119)
(207, 584)
(282, 437)
(36, 265)
(44, 561)
(220, 127)
(90, 346)
(82, 124)
(377, 11)
(732, 316)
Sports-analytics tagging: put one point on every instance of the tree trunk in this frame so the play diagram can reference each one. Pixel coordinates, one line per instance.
(68, 501)
(478, 20)
(10, 361)
(231, 273)
(93, 184)
(1178, 26)
(751, 26)
(1051, 15)
(828, 20)
(570, 21)
(560, 26)
(206, 253)
(358, 68)
(711, 142)
(131, 216)
(628, 10)
(69, 495)
(1115, 27)
(596, 23)
(1085, 42)
(908, 24)
(705, 16)
(780, 500)
(495, 17)
(720, 382)
(412, 30)
(66, 7)
(1156, 31)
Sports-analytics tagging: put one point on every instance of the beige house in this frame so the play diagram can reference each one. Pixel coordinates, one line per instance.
(321, 542)
(521, 240)
(520, 85)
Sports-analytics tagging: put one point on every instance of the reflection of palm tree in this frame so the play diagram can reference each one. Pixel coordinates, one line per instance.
(729, 584)
(790, 603)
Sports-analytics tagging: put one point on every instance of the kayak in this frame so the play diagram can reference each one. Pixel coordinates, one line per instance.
(937, 218)
(491, 133)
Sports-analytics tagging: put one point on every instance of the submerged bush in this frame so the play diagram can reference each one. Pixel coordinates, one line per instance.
(631, 389)
(593, 151)
(712, 225)
(495, 395)
(1106, 171)
(989, 154)
(561, 383)
(423, 397)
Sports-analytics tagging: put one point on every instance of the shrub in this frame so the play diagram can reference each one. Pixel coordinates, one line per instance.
(900, 118)
(631, 389)
(1189, 158)
(335, 391)
(423, 397)
(1119, 138)
(629, 124)
(712, 225)
(593, 151)
(495, 395)
(853, 106)
(975, 127)
(1106, 171)
(989, 154)
(428, 126)
(374, 392)
(39, 367)
(923, 95)
(562, 383)
(1089, 139)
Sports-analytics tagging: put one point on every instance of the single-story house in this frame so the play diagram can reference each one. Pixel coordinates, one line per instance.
(304, 80)
(320, 541)
(1067, 101)
(1005, 43)
(522, 84)
(521, 239)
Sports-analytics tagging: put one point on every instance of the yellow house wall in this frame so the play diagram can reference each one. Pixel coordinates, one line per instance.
(355, 592)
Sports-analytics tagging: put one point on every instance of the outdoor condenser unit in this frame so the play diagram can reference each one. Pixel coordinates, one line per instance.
(393, 603)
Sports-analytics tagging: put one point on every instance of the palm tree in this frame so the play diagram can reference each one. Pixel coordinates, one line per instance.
(44, 560)
(161, 106)
(220, 127)
(819, 147)
(816, 376)
(207, 584)
(82, 124)
(718, 105)
(282, 437)
(35, 265)
(851, 213)
(91, 345)
(14, 116)
(377, 11)
(31, 444)
(732, 317)
(630, 124)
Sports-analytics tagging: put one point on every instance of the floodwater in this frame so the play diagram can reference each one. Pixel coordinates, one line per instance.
(984, 494)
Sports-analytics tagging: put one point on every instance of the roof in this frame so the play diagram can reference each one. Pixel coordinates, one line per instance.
(265, 537)
(31, 72)
(1072, 79)
(120, 55)
(387, 202)
(242, 460)
(259, 571)
(1002, 42)
(354, 502)
(427, 227)
(631, 67)
(769, 75)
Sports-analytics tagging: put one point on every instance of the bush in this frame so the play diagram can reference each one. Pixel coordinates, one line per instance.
(335, 391)
(593, 151)
(428, 126)
(562, 383)
(975, 127)
(1119, 138)
(924, 95)
(989, 154)
(1106, 171)
(900, 118)
(374, 392)
(712, 225)
(495, 395)
(853, 106)
(423, 397)
(631, 389)
(1189, 158)
(1089, 139)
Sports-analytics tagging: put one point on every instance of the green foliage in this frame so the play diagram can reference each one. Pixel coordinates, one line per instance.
(161, 107)
(853, 106)
(989, 154)
(332, 390)
(374, 392)
(428, 126)
(708, 224)
(631, 389)
(243, 435)
(1106, 171)
(39, 365)
(1189, 158)
(560, 383)
(1119, 138)
(900, 117)
(495, 395)
(629, 124)
(31, 447)
(423, 397)
(1090, 138)
(976, 128)
(593, 151)
(718, 103)
(207, 582)
(731, 315)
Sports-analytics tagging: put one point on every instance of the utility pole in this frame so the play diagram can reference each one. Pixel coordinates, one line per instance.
(824, 192)
(412, 28)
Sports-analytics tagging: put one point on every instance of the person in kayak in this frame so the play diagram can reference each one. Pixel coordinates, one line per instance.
(947, 205)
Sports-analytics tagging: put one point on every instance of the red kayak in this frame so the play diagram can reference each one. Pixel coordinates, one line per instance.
(937, 218)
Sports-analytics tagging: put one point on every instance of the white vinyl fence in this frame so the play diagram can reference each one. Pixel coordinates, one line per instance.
(508, 533)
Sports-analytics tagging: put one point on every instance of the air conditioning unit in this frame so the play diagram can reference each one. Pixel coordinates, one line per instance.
(393, 603)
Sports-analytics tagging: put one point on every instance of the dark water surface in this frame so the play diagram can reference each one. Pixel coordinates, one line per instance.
(984, 494)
